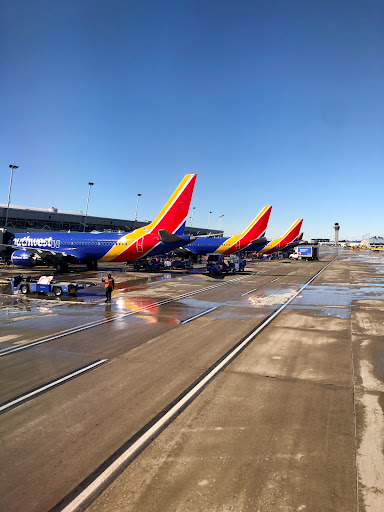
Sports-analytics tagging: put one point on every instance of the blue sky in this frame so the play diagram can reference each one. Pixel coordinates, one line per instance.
(269, 102)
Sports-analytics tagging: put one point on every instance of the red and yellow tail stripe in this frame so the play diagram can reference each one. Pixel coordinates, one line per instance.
(254, 230)
(279, 243)
(137, 244)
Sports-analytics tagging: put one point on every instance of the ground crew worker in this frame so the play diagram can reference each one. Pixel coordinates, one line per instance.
(109, 286)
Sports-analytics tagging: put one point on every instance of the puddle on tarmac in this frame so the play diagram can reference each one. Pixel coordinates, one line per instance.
(202, 304)
(336, 311)
(326, 295)
(232, 316)
(272, 299)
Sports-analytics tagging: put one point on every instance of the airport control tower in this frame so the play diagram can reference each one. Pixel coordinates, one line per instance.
(336, 227)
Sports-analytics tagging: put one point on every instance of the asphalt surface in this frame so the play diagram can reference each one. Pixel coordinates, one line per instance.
(294, 422)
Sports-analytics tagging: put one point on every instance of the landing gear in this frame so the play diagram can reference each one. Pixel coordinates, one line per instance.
(92, 265)
(61, 266)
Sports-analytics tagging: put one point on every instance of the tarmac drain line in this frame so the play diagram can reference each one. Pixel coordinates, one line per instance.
(15, 402)
(199, 315)
(255, 289)
(97, 323)
(94, 485)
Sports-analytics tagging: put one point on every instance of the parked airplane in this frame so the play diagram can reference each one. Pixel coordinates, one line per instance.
(278, 244)
(236, 243)
(162, 235)
(295, 243)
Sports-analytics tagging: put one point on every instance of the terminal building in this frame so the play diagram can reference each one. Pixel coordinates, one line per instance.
(23, 219)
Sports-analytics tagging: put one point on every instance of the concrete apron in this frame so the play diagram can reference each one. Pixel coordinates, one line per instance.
(367, 330)
(281, 428)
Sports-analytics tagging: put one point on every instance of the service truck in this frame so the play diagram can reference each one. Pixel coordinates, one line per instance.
(310, 252)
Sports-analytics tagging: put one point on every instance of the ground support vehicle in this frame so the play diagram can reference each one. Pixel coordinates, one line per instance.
(180, 264)
(148, 264)
(44, 284)
(308, 253)
(236, 263)
(216, 264)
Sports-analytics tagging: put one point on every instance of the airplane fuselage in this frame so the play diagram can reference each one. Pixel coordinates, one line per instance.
(208, 245)
(83, 247)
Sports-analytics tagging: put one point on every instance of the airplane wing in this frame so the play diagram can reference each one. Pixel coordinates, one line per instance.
(43, 253)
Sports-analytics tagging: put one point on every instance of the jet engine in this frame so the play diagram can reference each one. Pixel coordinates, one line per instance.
(23, 258)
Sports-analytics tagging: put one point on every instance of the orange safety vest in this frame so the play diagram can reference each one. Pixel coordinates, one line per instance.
(108, 282)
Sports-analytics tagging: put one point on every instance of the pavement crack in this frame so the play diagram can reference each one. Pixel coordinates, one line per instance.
(292, 379)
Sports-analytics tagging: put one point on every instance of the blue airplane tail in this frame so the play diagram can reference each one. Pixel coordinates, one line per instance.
(180, 230)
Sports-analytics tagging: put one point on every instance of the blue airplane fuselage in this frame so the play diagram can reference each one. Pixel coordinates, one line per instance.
(78, 247)
(207, 245)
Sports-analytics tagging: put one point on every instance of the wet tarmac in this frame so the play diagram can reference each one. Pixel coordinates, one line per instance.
(160, 334)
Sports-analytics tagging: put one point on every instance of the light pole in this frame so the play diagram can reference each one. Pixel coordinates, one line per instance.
(221, 220)
(209, 217)
(191, 219)
(86, 210)
(12, 167)
(137, 206)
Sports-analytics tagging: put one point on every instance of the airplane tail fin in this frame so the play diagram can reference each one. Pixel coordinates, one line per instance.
(173, 216)
(291, 234)
(257, 227)
(180, 230)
